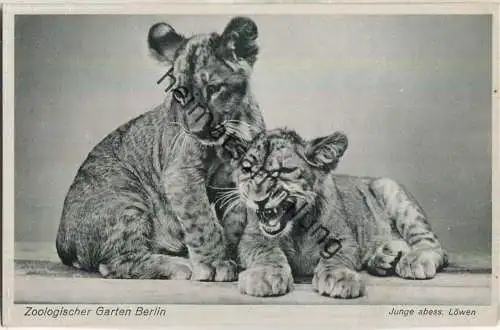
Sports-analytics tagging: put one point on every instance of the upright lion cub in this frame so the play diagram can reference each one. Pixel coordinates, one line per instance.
(305, 220)
(138, 206)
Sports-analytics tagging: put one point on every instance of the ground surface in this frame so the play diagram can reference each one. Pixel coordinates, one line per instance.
(41, 278)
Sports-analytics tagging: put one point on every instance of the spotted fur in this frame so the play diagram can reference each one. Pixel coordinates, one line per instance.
(139, 206)
(305, 220)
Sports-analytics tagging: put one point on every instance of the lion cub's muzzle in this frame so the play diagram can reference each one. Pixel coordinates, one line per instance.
(197, 117)
(200, 122)
(272, 221)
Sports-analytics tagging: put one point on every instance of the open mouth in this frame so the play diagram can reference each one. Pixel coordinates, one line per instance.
(273, 221)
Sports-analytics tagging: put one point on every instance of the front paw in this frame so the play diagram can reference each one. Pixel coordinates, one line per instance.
(339, 283)
(266, 281)
(418, 265)
(384, 259)
(217, 271)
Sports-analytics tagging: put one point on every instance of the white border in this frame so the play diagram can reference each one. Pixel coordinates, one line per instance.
(259, 7)
(269, 315)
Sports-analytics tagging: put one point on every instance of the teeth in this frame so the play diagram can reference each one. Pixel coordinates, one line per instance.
(269, 213)
(273, 223)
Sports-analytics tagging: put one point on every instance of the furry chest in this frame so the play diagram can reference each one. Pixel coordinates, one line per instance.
(303, 255)
(309, 246)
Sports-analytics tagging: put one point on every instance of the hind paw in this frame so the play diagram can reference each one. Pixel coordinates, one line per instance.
(180, 272)
(417, 265)
(385, 258)
(218, 271)
(161, 267)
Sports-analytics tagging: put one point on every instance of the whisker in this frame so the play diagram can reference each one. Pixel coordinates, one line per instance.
(186, 142)
(228, 195)
(227, 191)
(244, 132)
(220, 188)
(173, 123)
(225, 196)
(175, 140)
(192, 141)
(243, 192)
(229, 201)
(239, 132)
(189, 142)
(230, 207)
(238, 126)
(256, 128)
(182, 141)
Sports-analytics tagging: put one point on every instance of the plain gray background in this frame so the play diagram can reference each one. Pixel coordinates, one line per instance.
(413, 93)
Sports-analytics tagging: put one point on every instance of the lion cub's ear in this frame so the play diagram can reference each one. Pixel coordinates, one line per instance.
(239, 41)
(325, 152)
(163, 41)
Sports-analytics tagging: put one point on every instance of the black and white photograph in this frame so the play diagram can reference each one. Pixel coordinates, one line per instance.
(242, 158)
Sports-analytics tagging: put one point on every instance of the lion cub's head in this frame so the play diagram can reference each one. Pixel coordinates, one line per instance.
(277, 176)
(210, 73)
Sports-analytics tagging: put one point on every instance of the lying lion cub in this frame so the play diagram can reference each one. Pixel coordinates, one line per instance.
(304, 220)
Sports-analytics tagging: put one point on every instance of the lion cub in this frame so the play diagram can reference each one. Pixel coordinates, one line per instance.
(139, 205)
(304, 220)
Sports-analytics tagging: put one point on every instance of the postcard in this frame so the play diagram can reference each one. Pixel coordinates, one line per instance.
(233, 164)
